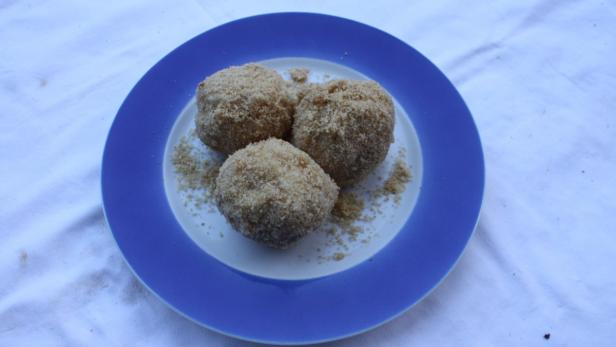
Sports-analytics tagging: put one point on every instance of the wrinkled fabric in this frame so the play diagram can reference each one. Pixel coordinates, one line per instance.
(538, 76)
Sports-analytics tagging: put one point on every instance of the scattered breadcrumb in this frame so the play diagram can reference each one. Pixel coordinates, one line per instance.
(185, 165)
(195, 172)
(348, 207)
(351, 211)
(337, 256)
(348, 210)
(395, 184)
(399, 177)
(299, 75)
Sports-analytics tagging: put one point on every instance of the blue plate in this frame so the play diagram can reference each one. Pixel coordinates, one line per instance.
(259, 309)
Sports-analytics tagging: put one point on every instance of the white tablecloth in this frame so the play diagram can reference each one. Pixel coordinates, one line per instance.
(538, 76)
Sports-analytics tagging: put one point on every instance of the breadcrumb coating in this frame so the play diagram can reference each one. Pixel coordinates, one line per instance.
(274, 193)
(241, 105)
(346, 127)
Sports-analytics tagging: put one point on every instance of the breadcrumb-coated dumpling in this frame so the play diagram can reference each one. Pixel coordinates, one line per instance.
(346, 127)
(241, 105)
(274, 193)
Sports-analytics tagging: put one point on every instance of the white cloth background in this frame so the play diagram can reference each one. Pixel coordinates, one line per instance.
(538, 76)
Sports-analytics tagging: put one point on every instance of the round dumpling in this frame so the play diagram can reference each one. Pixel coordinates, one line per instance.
(274, 193)
(346, 127)
(241, 105)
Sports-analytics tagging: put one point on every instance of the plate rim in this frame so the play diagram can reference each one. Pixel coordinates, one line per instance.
(330, 338)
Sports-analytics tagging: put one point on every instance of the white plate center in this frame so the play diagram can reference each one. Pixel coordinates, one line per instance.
(322, 252)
